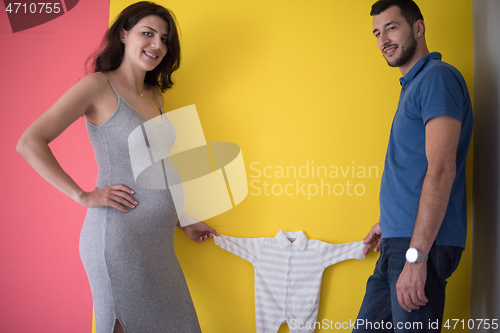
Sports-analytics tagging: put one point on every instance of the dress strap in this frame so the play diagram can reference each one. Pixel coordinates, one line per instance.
(161, 109)
(110, 83)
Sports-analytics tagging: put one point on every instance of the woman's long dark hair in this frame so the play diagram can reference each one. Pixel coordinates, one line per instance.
(109, 55)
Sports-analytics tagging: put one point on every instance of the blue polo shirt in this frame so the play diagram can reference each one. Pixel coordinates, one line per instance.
(430, 89)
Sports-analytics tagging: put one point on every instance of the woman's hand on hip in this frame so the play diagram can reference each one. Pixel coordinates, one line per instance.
(116, 196)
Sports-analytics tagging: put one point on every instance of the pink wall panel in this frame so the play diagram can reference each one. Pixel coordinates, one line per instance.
(43, 285)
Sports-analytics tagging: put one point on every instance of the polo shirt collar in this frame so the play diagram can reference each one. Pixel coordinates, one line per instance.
(283, 241)
(419, 66)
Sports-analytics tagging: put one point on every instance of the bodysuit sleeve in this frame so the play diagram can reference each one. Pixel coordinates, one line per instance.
(245, 248)
(329, 254)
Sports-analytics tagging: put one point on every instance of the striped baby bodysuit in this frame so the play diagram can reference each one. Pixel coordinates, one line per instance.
(288, 272)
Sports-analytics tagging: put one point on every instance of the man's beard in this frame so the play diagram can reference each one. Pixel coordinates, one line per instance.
(408, 49)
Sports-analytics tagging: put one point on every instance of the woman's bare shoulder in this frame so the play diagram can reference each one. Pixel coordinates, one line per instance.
(94, 88)
(94, 82)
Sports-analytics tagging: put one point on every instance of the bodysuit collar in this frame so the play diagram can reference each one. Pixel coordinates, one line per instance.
(283, 241)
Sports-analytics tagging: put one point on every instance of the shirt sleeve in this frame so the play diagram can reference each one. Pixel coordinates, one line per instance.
(245, 248)
(442, 94)
(329, 254)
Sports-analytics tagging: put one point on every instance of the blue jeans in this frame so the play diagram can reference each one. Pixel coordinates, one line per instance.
(380, 310)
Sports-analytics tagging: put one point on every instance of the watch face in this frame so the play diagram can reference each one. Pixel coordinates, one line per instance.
(411, 255)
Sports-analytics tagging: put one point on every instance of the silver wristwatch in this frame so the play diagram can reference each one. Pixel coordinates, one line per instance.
(414, 256)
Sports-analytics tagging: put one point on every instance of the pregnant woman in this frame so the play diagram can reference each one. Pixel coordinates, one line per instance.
(127, 240)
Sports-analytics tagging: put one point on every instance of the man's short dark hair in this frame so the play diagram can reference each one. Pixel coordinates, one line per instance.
(409, 9)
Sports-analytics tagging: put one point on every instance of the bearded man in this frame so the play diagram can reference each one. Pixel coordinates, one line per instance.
(423, 211)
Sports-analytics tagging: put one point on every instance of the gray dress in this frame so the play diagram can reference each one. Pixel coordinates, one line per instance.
(129, 258)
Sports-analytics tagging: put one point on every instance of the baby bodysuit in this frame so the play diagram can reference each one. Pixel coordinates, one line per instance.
(288, 272)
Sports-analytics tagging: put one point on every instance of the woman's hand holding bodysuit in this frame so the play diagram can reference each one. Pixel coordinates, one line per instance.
(194, 229)
(199, 232)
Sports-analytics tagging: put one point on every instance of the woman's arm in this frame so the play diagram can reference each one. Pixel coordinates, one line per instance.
(33, 145)
(196, 230)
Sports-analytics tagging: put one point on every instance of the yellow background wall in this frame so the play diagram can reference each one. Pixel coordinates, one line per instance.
(292, 82)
